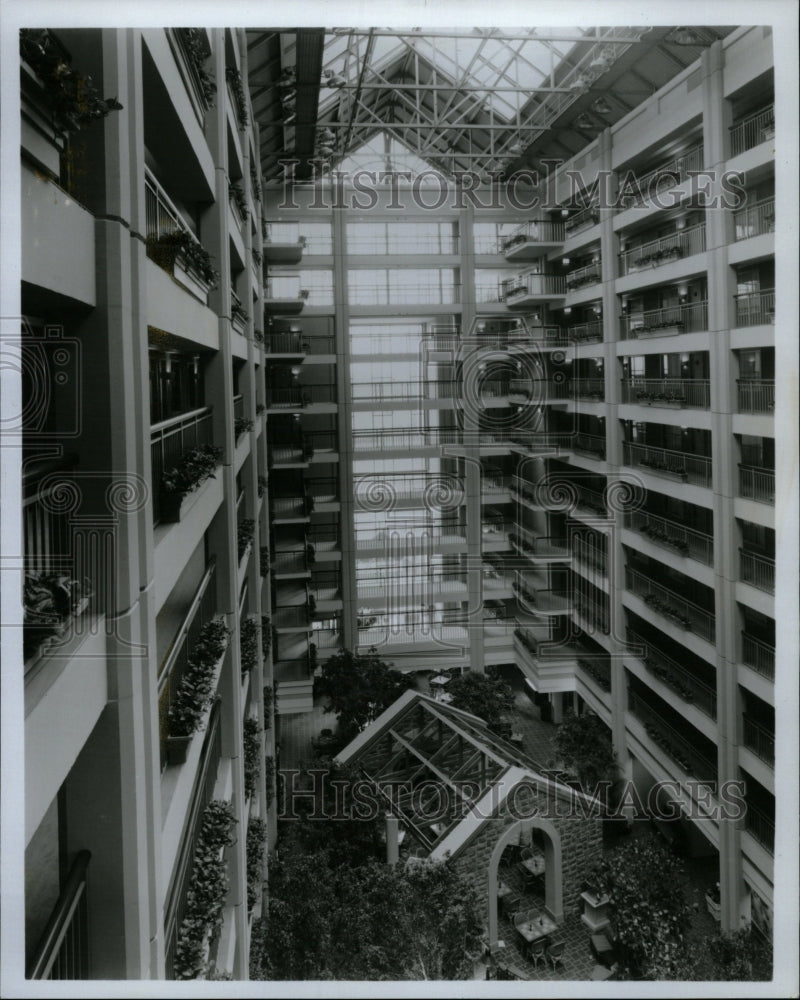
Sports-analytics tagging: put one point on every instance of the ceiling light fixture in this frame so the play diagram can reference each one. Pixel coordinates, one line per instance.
(601, 106)
(685, 36)
(580, 83)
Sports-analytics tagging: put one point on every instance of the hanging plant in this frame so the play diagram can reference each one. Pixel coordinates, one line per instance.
(50, 601)
(239, 312)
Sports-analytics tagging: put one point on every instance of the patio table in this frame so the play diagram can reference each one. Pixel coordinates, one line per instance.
(534, 865)
(537, 928)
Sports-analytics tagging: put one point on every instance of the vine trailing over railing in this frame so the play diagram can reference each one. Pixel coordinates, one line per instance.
(166, 248)
(240, 426)
(244, 534)
(208, 888)
(195, 691)
(72, 98)
(234, 78)
(248, 644)
(239, 312)
(251, 755)
(256, 839)
(193, 469)
(197, 51)
(239, 198)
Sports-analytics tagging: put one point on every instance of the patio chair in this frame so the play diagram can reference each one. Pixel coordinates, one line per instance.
(510, 904)
(538, 952)
(555, 952)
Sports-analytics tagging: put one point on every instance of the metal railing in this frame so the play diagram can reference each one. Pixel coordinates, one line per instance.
(591, 500)
(586, 332)
(589, 274)
(598, 669)
(585, 217)
(190, 64)
(375, 295)
(591, 444)
(286, 343)
(289, 563)
(46, 530)
(534, 232)
(757, 484)
(675, 675)
(238, 406)
(532, 284)
(63, 949)
(162, 218)
(761, 826)
(284, 287)
(684, 318)
(393, 440)
(669, 534)
(171, 671)
(759, 655)
(544, 600)
(538, 545)
(757, 570)
(596, 613)
(755, 395)
(755, 219)
(590, 554)
(663, 177)
(420, 243)
(694, 468)
(759, 739)
(654, 253)
(671, 606)
(585, 388)
(752, 130)
(170, 440)
(683, 751)
(685, 392)
(202, 793)
(755, 308)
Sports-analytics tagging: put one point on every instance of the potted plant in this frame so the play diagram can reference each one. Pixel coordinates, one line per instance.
(239, 313)
(51, 601)
(193, 469)
(713, 903)
(239, 198)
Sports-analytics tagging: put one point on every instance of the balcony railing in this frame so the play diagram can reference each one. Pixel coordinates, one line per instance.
(63, 949)
(393, 440)
(594, 611)
(757, 484)
(759, 655)
(685, 393)
(681, 465)
(539, 546)
(580, 220)
(753, 130)
(543, 601)
(755, 219)
(687, 755)
(591, 555)
(586, 332)
(755, 395)
(418, 243)
(674, 674)
(202, 793)
(654, 253)
(599, 670)
(755, 308)
(759, 739)
(591, 500)
(201, 610)
(588, 388)
(524, 285)
(170, 440)
(534, 232)
(590, 274)
(663, 177)
(46, 530)
(671, 535)
(591, 444)
(757, 570)
(659, 322)
(761, 826)
(162, 218)
(375, 295)
(671, 606)
(238, 406)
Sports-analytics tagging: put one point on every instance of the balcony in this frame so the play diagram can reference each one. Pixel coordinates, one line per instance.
(676, 393)
(757, 570)
(170, 440)
(296, 453)
(654, 253)
(407, 295)
(543, 602)
(586, 333)
(410, 440)
(643, 187)
(759, 655)
(539, 548)
(595, 612)
(527, 289)
(761, 826)
(587, 388)
(284, 297)
(759, 739)
(63, 950)
(590, 554)
(671, 535)
(581, 220)
(694, 761)
(599, 670)
(671, 606)
(532, 239)
(755, 308)
(751, 131)
(192, 49)
(590, 274)
(287, 509)
(681, 466)
(755, 220)
(593, 445)
(672, 673)
(591, 501)
(293, 346)
(757, 484)
(290, 565)
(755, 395)
(665, 322)
(283, 252)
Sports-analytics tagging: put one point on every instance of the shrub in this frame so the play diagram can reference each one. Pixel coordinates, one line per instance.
(192, 470)
(251, 755)
(256, 840)
(248, 644)
(195, 690)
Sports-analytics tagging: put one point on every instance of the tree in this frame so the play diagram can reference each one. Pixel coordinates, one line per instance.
(486, 695)
(648, 909)
(583, 743)
(359, 688)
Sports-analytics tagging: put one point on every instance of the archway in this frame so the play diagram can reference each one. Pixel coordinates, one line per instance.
(554, 895)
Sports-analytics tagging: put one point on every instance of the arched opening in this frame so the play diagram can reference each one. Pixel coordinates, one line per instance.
(539, 882)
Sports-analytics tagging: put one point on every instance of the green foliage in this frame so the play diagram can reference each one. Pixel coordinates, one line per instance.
(208, 887)
(583, 744)
(743, 955)
(486, 695)
(269, 777)
(251, 747)
(256, 840)
(266, 635)
(648, 909)
(359, 688)
(248, 644)
(192, 470)
(196, 688)
(234, 78)
(166, 248)
(245, 530)
(198, 52)
(240, 426)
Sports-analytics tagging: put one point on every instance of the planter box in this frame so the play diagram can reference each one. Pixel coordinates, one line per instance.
(662, 331)
(190, 280)
(177, 749)
(676, 477)
(715, 909)
(175, 506)
(594, 911)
